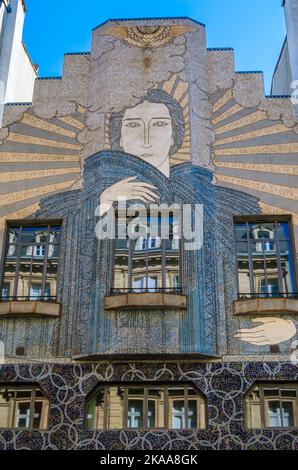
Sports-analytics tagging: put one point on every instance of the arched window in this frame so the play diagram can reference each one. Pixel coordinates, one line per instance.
(150, 406)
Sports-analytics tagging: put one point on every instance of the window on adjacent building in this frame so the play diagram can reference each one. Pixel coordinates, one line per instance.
(146, 407)
(272, 406)
(31, 262)
(23, 407)
(265, 260)
(146, 262)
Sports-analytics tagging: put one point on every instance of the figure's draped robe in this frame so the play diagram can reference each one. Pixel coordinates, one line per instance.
(209, 274)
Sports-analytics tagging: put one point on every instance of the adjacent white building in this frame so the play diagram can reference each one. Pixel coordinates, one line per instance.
(286, 71)
(17, 72)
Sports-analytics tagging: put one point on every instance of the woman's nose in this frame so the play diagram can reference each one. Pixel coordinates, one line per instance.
(146, 142)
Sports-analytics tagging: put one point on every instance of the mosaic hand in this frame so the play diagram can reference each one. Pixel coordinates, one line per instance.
(127, 189)
(273, 330)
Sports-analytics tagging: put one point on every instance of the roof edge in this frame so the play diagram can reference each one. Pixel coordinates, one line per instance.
(149, 19)
(211, 49)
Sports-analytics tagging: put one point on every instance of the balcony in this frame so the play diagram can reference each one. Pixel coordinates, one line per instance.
(266, 304)
(28, 307)
(146, 299)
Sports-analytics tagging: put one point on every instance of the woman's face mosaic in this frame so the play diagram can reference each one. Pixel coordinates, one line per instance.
(147, 132)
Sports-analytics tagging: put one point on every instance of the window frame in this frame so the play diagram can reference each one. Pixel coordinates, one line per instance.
(30, 223)
(264, 218)
(33, 387)
(147, 385)
(130, 288)
(264, 404)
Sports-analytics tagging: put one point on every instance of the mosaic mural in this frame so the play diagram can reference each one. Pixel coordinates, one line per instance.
(167, 120)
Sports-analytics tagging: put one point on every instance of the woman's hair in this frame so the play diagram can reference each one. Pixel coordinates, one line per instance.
(154, 96)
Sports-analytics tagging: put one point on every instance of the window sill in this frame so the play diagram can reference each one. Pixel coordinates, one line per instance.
(32, 308)
(279, 306)
(148, 300)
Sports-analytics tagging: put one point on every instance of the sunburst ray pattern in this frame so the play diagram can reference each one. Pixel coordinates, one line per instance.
(256, 154)
(38, 158)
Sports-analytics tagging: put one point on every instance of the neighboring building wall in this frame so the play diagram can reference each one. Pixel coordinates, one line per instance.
(17, 73)
(291, 13)
(282, 77)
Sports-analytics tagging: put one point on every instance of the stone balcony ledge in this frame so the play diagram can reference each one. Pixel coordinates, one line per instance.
(280, 305)
(148, 300)
(29, 308)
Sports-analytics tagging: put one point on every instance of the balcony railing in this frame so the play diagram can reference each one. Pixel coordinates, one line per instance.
(149, 290)
(267, 295)
(31, 298)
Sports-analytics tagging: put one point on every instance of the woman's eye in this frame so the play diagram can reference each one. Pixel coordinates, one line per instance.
(133, 124)
(160, 124)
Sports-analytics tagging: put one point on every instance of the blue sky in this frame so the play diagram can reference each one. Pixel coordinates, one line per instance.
(254, 28)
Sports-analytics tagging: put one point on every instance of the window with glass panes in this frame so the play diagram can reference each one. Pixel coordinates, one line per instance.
(146, 407)
(31, 259)
(272, 406)
(23, 407)
(147, 254)
(265, 261)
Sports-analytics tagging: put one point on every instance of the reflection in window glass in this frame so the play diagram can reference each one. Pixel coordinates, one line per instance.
(31, 262)
(148, 261)
(23, 408)
(149, 407)
(271, 407)
(264, 259)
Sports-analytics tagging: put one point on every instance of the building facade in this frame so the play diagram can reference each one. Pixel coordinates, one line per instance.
(17, 72)
(149, 271)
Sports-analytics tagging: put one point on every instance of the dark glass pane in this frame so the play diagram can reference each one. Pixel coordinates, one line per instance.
(151, 421)
(271, 392)
(283, 231)
(241, 232)
(192, 414)
(290, 393)
(242, 248)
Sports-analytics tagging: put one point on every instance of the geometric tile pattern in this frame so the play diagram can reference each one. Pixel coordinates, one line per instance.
(223, 384)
